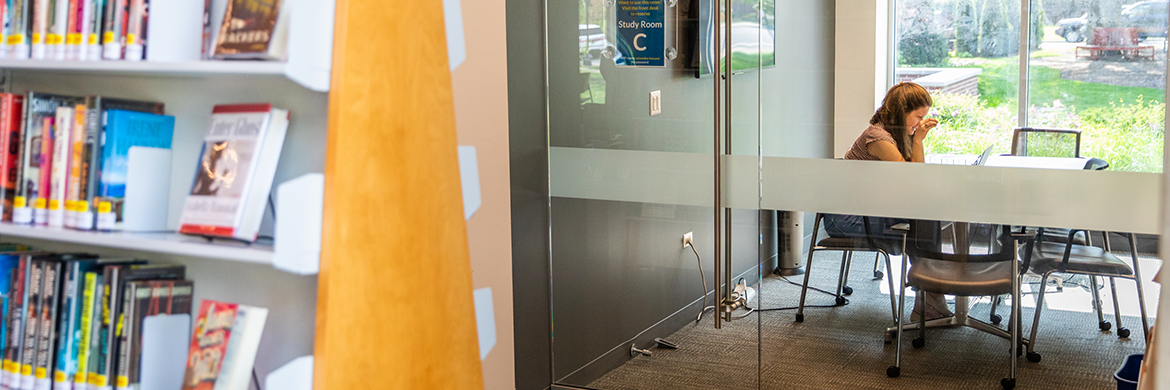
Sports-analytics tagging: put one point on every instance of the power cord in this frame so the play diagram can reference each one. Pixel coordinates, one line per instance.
(256, 379)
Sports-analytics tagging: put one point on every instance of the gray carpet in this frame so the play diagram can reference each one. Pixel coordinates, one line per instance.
(842, 347)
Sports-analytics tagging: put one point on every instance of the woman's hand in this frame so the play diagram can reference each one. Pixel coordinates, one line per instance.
(924, 128)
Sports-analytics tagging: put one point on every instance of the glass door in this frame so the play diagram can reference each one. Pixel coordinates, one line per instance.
(655, 227)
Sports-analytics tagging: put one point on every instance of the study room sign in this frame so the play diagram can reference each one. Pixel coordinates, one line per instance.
(641, 32)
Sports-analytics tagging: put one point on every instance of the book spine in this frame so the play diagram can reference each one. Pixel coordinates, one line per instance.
(93, 155)
(126, 332)
(135, 30)
(31, 325)
(58, 27)
(7, 180)
(14, 326)
(18, 29)
(59, 173)
(77, 164)
(103, 370)
(69, 311)
(44, 172)
(48, 326)
(84, 329)
(93, 49)
(75, 29)
(5, 30)
(40, 27)
(20, 211)
(113, 29)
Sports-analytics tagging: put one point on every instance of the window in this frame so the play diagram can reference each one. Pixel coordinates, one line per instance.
(1098, 68)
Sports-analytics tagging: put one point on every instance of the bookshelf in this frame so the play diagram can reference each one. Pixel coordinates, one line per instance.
(160, 243)
(313, 79)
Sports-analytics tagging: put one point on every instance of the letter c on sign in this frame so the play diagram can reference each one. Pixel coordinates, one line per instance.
(636, 46)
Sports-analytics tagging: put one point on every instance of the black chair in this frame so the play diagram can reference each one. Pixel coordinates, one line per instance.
(954, 270)
(1048, 258)
(847, 246)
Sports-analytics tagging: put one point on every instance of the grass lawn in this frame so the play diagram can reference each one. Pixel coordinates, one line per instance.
(997, 86)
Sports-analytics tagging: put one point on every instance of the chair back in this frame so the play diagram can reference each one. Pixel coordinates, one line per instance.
(984, 243)
(1031, 141)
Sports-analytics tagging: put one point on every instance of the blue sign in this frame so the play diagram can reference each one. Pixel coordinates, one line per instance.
(641, 32)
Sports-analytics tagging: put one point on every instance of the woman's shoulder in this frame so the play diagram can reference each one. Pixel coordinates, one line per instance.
(876, 132)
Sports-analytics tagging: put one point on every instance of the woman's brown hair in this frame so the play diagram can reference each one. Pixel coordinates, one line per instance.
(899, 102)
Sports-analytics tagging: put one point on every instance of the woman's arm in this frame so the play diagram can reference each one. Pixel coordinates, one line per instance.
(885, 151)
(917, 152)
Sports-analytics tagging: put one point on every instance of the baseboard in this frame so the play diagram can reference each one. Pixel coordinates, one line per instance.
(620, 354)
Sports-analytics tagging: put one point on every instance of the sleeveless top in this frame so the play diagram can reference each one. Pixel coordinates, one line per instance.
(860, 148)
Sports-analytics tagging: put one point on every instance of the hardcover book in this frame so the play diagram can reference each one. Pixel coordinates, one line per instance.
(235, 171)
(28, 346)
(11, 106)
(213, 331)
(123, 130)
(236, 369)
(47, 320)
(37, 108)
(14, 323)
(253, 29)
(60, 145)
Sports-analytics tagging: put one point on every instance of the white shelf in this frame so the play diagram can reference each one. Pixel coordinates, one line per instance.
(312, 80)
(163, 242)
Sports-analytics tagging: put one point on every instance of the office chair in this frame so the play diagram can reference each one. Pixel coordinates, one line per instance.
(958, 272)
(847, 246)
(1048, 258)
(1020, 141)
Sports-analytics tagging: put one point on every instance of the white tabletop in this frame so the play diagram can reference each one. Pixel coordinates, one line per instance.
(1070, 163)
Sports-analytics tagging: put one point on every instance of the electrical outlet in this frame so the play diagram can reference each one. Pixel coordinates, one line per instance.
(688, 239)
(655, 102)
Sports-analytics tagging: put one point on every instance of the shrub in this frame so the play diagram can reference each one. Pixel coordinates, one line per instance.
(923, 48)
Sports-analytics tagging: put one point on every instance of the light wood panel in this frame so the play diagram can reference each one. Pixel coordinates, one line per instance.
(394, 304)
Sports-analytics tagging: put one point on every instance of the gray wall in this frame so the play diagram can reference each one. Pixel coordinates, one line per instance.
(616, 271)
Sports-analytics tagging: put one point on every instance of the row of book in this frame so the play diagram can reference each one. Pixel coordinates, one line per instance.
(80, 30)
(65, 162)
(78, 322)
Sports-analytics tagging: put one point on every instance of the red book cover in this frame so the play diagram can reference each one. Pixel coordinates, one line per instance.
(11, 106)
(209, 343)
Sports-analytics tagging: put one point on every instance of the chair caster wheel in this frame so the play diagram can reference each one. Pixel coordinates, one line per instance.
(1104, 325)
(996, 319)
(918, 342)
(1008, 383)
(1123, 333)
(1033, 357)
(893, 372)
(878, 275)
(847, 290)
(800, 318)
(840, 301)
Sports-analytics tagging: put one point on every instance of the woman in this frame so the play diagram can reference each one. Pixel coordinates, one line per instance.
(895, 133)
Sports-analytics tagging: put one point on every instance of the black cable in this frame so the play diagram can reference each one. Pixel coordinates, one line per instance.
(806, 306)
(272, 206)
(256, 379)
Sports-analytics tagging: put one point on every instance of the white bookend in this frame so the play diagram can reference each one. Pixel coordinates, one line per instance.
(165, 339)
(148, 178)
(175, 31)
(297, 234)
(294, 375)
(310, 43)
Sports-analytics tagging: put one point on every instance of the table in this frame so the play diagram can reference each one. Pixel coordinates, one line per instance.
(962, 304)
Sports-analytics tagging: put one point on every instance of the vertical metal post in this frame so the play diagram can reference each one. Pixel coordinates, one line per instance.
(727, 118)
(718, 166)
(1025, 33)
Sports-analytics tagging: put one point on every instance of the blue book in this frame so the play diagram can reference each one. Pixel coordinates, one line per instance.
(124, 129)
(8, 263)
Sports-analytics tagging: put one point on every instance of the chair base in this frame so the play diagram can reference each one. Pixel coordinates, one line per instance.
(951, 321)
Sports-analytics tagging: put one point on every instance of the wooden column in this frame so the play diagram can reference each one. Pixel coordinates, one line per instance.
(394, 309)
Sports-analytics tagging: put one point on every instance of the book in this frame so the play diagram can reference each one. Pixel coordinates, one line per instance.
(212, 21)
(145, 299)
(58, 25)
(28, 345)
(123, 130)
(114, 278)
(213, 331)
(77, 164)
(135, 30)
(18, 27)
(113, 29)
(91, 308)
(9, 262)
(253, 29)
(47, 320)
(78, 30)
(11, 106)
(37, 108)
(235, 171)
(77, 302)
(95, 111)
(14, 322)
(41, 12)
(60, 146)
(93, 45)
(44, 192)
(236, 368)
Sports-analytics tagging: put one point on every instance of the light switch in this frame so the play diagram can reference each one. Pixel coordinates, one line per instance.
(655, 102)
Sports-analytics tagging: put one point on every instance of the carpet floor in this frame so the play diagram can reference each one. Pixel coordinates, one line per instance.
(843, 347)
